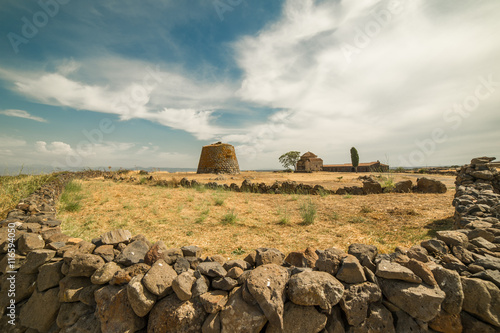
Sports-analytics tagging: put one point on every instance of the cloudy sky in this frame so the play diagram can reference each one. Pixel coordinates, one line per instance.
(124, 83)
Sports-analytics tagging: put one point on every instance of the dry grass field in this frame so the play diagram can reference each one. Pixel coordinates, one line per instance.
(232, 224)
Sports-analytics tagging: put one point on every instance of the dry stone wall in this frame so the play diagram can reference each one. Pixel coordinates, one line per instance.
(370, 186)
(123, 283)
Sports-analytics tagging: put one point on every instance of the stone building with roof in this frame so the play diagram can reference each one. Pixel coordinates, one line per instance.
(309, 162)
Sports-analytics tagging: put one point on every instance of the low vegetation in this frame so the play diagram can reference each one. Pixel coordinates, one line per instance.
(72, 196)
(15, 188)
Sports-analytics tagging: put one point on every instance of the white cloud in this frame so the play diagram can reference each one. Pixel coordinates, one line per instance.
(129, 89)
(192, 121)
(420, 61)
(55, 148)
(21, 114)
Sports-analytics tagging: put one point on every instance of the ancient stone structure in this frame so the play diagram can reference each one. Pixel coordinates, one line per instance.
(309, 162)
(218, 158)
(362, 167)
(121, 283)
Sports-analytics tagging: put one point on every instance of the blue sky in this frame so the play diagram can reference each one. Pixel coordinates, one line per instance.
(127, 83)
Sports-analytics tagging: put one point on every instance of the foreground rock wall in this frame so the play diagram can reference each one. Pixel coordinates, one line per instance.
(122, 283)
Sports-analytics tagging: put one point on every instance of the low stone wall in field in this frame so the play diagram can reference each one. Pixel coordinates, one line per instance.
(370, 186)
(123, 283)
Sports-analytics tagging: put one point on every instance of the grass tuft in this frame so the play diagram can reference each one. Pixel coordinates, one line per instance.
(308, 212)
(365, 209)
(229, 218)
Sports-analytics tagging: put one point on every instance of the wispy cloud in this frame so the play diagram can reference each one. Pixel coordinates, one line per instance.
(21, 114)
(129, 89)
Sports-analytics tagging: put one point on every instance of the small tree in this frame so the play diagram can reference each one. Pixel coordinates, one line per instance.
(290, 159)
(354, 159)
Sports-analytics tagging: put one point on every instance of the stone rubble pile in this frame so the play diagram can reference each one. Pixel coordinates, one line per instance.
(123, 283)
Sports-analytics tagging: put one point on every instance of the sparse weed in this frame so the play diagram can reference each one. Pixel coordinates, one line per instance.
(365, 209)
(285, 219)
(308, 212)
(229, 218)
(203, 216)
(219, 200)
(347, 196)
(238, 251)
(334, 216)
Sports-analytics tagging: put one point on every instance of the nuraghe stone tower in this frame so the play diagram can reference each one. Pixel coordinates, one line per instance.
(218, 158)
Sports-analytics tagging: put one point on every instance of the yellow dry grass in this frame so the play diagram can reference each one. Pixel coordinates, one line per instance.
(15, 188)
(181, 216)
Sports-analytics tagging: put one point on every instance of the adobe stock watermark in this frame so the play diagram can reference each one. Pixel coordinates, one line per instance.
(30, 28)
(222, 6)
(454, 116)
(364, 36)
(10, 275)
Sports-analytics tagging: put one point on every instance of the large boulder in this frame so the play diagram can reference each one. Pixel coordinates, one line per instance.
(240, 316)
(183, 284)
(141, 300)
(356, 300)
(482, 298)
(85, 264)
(40, 312)
(133, 253)
(426, 185)
(306, 258)
(105, 273)
(173, 315)
(115, 311)
(418, 300)
(300, 319)
(395, 271)
(372, 187)
(315, 288)
(69, 313)
(329, 260)
(449, 282)
(351, 270)
(116, 236)
(159, 278)
(49, 275)
(403, 186)
(379, 320)
(214, 301)
(267, 285)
